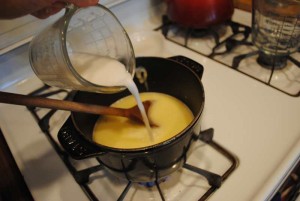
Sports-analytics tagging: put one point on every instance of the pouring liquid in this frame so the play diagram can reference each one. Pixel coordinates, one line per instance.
(109, 72)
(117, 132)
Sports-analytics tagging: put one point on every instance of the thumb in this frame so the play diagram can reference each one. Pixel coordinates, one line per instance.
(82, 3)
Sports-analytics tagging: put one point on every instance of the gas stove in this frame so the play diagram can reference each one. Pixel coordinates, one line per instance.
(230, 44)
(255, 143)
(166, 188)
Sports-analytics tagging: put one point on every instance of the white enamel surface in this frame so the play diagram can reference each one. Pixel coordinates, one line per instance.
(257, 123)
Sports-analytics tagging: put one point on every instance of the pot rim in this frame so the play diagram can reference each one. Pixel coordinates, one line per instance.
(158, 146)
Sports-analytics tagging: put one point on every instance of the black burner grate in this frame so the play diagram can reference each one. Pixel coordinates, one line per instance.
(82, 177)
(226, 45)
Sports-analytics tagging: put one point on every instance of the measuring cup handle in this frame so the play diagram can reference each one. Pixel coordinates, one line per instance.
(193, 65)
(75, 144)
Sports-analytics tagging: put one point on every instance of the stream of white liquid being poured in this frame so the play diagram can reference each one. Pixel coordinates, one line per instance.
(105, 71)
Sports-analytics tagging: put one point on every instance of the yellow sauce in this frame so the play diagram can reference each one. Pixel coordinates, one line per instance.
(170, 114)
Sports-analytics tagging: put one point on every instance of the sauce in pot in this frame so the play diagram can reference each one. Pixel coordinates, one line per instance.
(170, 114)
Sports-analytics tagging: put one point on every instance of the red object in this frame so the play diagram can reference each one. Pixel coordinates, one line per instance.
(199, 13)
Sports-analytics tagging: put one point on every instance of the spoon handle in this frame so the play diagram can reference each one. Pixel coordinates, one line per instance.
(18, 99)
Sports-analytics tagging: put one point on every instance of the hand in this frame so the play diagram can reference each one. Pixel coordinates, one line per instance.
(39, 8)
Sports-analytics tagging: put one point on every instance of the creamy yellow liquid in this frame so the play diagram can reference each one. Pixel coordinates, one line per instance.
(169, 113)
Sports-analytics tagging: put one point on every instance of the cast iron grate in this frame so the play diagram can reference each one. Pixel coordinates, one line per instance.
(82, 177)
(239, 36)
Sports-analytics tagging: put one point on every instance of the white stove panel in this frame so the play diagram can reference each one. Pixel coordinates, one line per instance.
(257, 123)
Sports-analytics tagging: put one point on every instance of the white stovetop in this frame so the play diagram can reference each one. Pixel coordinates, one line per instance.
(259, 124)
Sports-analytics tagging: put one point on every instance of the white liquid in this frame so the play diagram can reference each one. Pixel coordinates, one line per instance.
(108, 72)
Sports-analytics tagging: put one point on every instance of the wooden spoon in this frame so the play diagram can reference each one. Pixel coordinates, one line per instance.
(132, 113)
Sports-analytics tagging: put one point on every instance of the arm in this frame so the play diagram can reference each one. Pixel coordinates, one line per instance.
(40, 8)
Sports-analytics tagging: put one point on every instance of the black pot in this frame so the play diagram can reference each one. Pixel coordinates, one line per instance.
(177, 76)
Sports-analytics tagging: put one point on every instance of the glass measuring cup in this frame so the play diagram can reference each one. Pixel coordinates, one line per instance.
(276, 26)
(55, 54)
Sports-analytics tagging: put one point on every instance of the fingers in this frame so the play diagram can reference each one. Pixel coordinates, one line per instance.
(39, 8)
(49, 10)
(58, 5)
(82, 3)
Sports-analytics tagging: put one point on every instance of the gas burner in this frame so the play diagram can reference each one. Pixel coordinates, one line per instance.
(270, 62)
(85, 177)
(202, 33)
(214, 40)
(267, 61)
(281, 72)
(153, 183)
(215, 181)
(230, 44)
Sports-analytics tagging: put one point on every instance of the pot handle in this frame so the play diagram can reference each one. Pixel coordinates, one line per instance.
(193, 65)
(75, 144)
